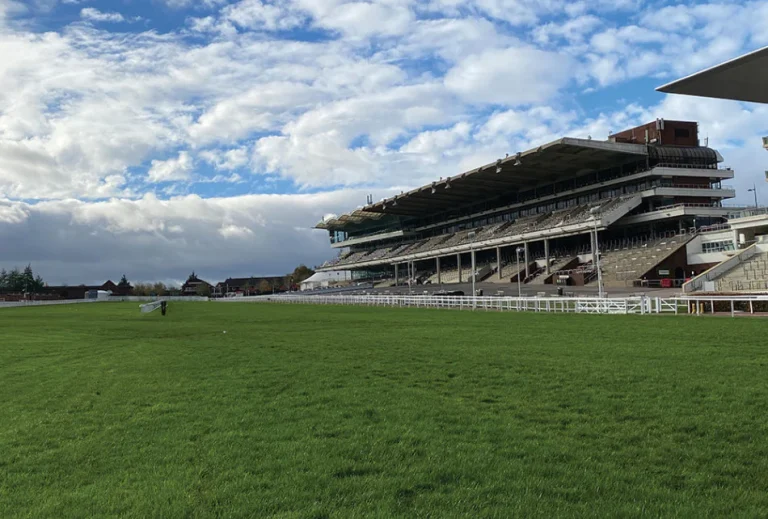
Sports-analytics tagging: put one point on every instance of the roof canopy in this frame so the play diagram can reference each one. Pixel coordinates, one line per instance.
(558, 160)
(741, 79)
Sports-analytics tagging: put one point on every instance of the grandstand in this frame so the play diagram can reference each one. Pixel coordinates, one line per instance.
(641, 192)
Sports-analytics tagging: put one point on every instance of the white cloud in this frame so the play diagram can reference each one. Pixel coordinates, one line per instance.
(380, 93)
(513, 76)
(227, 160)
(152, 239)
(179, 168)
(94, 15)
(258, 14)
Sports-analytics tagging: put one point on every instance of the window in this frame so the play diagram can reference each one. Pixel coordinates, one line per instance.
(717, 246)
(682, 133)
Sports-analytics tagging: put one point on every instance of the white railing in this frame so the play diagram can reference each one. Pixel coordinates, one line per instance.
(641, 305)
(140, 299)
(147, 308)
(14, 304)
(594, 305)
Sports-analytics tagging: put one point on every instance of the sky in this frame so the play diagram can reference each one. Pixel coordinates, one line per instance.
(156, 137)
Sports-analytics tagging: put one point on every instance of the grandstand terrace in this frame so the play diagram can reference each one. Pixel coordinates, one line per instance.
(643, 189)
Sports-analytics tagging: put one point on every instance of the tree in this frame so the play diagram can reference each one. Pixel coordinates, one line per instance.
(24, 281)
(264, 286)
(301, 273)
(248, 287)
(142, 289)
(124, 282)
(203, 290)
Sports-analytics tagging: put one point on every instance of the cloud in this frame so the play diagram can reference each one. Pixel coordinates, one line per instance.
(316, 95)
(153, 239)
(179, 168)
(513, 76)
(94, 15)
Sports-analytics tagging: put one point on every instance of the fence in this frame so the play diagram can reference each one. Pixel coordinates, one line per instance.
(143, 299)
(590, 305)
(13, 304)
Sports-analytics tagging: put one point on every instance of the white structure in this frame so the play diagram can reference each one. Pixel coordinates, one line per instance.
(326, 279)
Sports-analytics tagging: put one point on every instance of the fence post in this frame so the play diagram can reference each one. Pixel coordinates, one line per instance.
(733, 312)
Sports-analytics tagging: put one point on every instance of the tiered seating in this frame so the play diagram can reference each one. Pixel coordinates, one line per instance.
(335, 261)
(555, 266)
(577, 214)
(399, 250)
(613, 203)
(429, 244)
(354, 257)
(750, 275)
(507, 271)
(620, 265)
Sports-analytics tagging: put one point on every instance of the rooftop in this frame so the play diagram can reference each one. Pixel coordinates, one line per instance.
(742, 79)
(560, 159)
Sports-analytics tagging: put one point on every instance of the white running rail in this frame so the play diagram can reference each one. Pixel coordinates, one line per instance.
(150, 307)
(641, 305)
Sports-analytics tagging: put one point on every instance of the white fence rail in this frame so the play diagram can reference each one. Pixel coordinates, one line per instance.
(15, 304)
(641, 305)
(142, 299)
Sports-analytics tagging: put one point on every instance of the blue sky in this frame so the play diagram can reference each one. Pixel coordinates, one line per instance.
(211, 135)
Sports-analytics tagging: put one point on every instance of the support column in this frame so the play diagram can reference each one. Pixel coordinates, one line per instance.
(439, 280)
(593, 246)
(458, 263)
(397, 277)
(735, 239)
(546, 256)
(498, 260)
(527, 270)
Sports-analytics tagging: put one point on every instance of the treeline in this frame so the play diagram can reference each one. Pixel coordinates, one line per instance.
(21, 281)
(155, 289)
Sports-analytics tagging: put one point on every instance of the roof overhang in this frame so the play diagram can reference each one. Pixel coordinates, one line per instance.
(558, 160)
(741, 79)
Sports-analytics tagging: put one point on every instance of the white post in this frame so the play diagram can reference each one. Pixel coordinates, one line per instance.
(601, 292)
(474, 275)
(527, 263)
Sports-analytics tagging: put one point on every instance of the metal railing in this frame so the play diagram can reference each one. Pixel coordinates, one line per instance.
(641, 304)
(14, 304)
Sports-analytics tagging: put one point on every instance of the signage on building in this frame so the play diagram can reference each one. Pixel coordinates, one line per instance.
(663, 273)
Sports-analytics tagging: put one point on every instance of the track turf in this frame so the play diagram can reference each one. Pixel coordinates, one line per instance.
(310, 411)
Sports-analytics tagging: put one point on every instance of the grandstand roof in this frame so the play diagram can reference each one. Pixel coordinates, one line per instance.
(743, 79)
(560, 159)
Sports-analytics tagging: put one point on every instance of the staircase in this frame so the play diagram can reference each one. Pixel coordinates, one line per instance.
(620, 266)
(558, 265)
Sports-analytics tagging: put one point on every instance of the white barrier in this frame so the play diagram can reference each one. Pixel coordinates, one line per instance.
(139, 299)
(150, 307)
(641, 305)
(16, 304)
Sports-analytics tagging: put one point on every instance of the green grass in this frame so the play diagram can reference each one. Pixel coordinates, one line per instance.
(301, 411)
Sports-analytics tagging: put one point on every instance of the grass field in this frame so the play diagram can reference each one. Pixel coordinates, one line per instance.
(301, 411)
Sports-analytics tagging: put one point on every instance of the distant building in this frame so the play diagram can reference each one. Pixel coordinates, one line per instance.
(249, 286)
(78, 291)
(193, 284)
